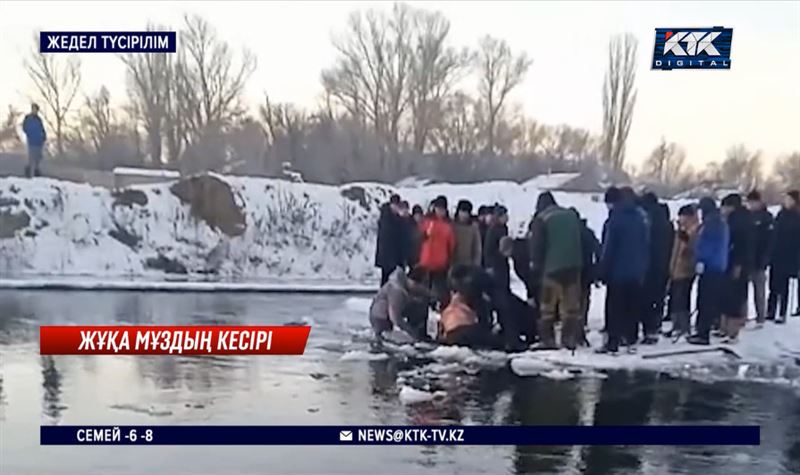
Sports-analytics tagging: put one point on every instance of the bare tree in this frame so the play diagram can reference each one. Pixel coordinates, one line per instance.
(741, 168)
(619, 98)
(435, 67)
(787, 171)
(98, 119)
(665, 163)
(499, 73)
(214, 81)
(57, 80)
(456, 129)
(148, 80)
(9, 138)
(371, 76)
(283, 122)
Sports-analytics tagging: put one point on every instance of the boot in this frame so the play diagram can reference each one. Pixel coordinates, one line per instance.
(569, 333)
(547, 336)
(698, 340)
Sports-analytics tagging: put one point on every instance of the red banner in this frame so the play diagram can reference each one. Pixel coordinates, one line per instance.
(173, 340)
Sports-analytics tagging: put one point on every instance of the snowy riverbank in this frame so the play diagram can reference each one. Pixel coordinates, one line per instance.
(221, 228)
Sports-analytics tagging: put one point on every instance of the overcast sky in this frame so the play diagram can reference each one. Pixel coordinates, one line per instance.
(756, 102)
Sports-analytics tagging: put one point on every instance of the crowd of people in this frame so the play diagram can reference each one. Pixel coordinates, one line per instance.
(461, 267)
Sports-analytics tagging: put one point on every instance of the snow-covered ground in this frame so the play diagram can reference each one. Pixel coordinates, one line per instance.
(292, 231)
(770, 355)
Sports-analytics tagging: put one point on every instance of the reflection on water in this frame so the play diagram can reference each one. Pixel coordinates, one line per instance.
(51, 383)
(318, 388)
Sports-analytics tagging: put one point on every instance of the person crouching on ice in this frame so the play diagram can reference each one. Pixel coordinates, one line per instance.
(401, 302)
(459, 324)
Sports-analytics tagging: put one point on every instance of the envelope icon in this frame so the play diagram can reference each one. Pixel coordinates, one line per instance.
(345, 435)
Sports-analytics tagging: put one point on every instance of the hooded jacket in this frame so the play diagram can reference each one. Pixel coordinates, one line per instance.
(661, 240)
(34, 130)
(438, 244)
(742, 240)
(682, 261)
(390, 249)
(786, 249)
(713, 240)
(764, 229)
(626, 248)
(468, 248)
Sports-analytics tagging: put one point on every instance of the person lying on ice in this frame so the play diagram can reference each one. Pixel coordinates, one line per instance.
(477, 291)
(459, 324)
(401, 303)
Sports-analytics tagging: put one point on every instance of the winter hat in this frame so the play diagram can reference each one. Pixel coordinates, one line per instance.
(649, 199)
(612, 195)
(464, 205)
(483, 210)
(440, 202)
(734, 200)
(544, 201)
(687, 210)
(500, 210)
(754, 195)
(627, 195)
(707, 205)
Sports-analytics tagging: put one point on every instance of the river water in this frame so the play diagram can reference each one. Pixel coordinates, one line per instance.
(322, 388)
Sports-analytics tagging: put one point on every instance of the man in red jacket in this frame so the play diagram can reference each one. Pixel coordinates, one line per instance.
(438, 244)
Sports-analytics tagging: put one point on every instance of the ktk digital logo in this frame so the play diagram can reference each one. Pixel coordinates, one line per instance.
(693, 48)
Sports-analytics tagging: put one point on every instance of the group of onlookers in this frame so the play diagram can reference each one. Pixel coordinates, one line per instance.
(462, 267)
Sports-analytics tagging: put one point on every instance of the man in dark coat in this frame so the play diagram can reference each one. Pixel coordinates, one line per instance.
(391, 250)
(764, 223)
(623, 267)
(741, 261)
(485, 220)
(785, 256)
(661, 237)
(36, 137)
(493, 260)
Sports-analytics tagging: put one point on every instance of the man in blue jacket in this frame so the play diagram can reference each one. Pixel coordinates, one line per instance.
(623, 267)
(36, 137)
(711, 254)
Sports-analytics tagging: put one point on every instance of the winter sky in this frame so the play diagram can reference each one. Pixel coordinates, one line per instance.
(756, 102)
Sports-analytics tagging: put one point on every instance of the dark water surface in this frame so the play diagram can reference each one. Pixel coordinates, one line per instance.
(320, 388)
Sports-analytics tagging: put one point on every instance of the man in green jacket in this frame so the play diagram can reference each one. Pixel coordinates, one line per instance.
(557, 263)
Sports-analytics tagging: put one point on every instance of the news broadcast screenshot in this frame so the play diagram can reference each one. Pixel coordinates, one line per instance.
(423, 237)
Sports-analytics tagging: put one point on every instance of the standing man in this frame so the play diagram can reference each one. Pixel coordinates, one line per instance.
(741, 260)
(661, 237)
(390, 251)
(495, 262)
(682, 272)
(485, 220)
(785, 257)
(468, 238)
(36, 137)
(556, 253)
(438, 245)
(711, 254)
(623, 267)
(763, 221)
